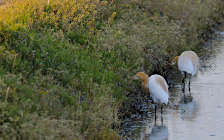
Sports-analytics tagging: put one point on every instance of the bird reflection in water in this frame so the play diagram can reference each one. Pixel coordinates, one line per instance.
(187, 98)
(189, 107)
(156, 132)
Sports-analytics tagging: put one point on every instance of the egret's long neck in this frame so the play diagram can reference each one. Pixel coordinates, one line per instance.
(145, 83)
(146, 88)
(145, 78)
(176, 60)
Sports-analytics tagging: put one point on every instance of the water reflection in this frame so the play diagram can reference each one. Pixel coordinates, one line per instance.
(158, 133)
(190, 110)
(155, 132)
(186, 98)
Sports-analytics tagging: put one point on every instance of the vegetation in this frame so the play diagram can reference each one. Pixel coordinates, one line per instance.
(65, 65)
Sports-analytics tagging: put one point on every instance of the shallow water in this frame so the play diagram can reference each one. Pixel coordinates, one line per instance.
(202, 115)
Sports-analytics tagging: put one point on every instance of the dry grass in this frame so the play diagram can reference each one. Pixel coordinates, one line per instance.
(56, 14)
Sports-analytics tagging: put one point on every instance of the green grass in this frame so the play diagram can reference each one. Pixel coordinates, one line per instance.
(43, 75)
(67, 80)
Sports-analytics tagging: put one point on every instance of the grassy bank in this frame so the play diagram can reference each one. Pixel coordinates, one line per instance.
(64, 65)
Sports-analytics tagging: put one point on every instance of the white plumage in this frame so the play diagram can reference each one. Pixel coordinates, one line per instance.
(158, 89)
(188, 62)
(156, 85)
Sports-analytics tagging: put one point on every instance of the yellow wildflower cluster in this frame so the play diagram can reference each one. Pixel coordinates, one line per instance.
(63, 14)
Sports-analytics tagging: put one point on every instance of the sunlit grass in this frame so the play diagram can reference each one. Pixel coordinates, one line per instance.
(57, 14)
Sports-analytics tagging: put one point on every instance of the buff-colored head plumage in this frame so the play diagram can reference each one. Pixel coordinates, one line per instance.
(144, 78)
(174, 61)
(141, 76)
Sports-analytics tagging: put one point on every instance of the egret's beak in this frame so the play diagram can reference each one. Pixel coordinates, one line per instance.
(134, 77)
(172, 63)
(167, 65)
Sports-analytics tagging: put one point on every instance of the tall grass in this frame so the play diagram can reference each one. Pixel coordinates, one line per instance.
(56, 14)
(65, 65)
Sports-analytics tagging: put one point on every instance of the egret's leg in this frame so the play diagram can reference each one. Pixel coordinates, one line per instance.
(162, 119)
(162, 115)
(183, 81)
(161, 109)
(183, 85)
(189, 85)
(155, 112)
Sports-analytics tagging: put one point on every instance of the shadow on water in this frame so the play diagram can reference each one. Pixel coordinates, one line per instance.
(195, 114)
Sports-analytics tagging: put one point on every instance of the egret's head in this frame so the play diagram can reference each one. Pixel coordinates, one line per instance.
(174, 61)
(144, 78)
(140, 76)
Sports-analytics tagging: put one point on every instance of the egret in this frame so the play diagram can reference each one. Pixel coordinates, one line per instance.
(187, 63)
(157, 87)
